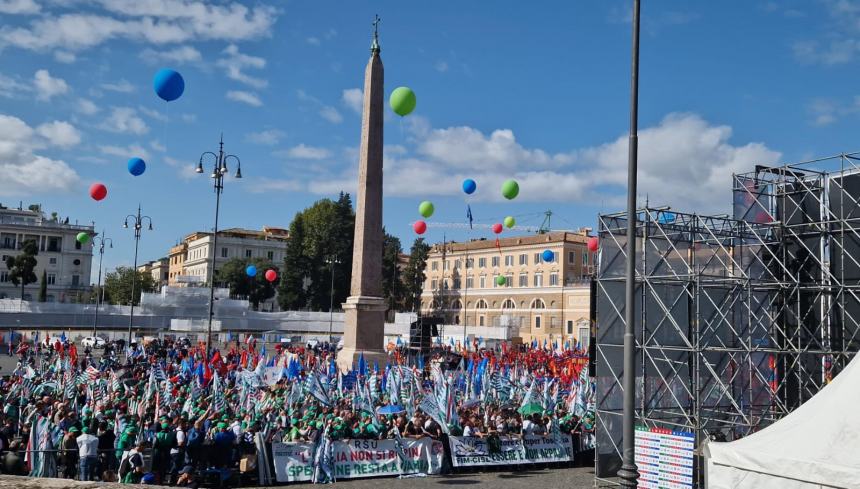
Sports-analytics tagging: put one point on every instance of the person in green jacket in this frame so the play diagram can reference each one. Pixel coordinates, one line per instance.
(126, 441)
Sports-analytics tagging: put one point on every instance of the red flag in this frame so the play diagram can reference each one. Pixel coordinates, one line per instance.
(73, 353)
(244, 360)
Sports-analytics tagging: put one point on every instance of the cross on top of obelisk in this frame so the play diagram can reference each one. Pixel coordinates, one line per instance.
(374, 47)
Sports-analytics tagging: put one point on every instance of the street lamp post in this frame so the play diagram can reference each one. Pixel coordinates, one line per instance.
(332, 261)
(101, 241)
(137, 223)
(219, 170)
(629, 474)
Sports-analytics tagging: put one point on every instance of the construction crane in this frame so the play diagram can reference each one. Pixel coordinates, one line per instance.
(542, 229)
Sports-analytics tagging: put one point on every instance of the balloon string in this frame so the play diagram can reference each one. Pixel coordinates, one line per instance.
(166, 119)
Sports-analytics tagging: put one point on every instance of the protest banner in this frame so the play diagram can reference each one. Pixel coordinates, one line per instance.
(471, 451)
(359, 458)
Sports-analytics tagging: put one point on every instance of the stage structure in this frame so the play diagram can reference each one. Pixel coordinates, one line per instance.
(742, 318)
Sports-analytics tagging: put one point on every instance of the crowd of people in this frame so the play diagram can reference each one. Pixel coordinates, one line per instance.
(168, 413)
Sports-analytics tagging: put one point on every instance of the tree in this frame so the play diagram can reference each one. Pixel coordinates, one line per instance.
(21, 267)
(392, 285)
(43, 287)
(257, 289)
(318, 233)
(118, 284)
(413, 274)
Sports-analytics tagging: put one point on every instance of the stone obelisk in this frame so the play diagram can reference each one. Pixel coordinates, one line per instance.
(365, 307)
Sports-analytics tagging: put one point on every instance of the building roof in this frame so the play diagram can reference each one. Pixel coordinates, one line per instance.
(580, 237)
(266, 234)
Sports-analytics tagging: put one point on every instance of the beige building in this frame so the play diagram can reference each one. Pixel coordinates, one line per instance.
(159, 270)
(539, 299)
(176, 262)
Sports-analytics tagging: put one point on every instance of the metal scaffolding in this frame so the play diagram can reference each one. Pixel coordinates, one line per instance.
(742, 318)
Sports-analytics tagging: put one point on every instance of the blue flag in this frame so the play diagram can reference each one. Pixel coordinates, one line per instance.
(362, 365)
(469, 215)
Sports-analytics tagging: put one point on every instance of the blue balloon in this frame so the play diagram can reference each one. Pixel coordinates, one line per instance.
(251, 271)
(469, 186)
(168, 84)
(548, 256)
(136, 166)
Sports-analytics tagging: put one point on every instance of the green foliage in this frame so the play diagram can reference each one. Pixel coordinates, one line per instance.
(257, 289)
(21, 267)
(317, 233)
(118, 285)
(413, 274)
(392, 285)
(43, 287)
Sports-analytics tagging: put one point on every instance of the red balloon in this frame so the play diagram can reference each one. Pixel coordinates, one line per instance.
(98, 191)
(592, 244)
(420, 227)
(271, 275)
(497, 228)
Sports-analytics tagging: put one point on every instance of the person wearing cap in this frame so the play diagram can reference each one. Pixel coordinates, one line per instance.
(165, 440)
(70, 452)
(88, 446)
(224, 440)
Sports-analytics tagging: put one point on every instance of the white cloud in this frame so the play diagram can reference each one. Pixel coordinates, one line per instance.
(354, 99)
(124, 120)
(19, 7)
(683, 160)
(235, 62)
(22, 172)
(59, 133)
(125, 152)
(313, 41)
(149, 21)
(826, 111)
(441, 66)
(157, 146)
(179, 55)
(268, 137)
(47, 86)
(331, 114)
(189, 118)
(122, 86)
(244, 97)
(11, 87)
(155, 114)
(86, 106)
(304, 152)
(65, 57)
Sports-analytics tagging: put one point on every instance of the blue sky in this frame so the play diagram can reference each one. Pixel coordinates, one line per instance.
(505, 90)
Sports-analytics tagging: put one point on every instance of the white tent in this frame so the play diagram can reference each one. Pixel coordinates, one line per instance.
(816, 446)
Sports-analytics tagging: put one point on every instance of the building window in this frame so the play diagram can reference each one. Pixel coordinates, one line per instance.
(480, 320)
(52, 261)
(76, 280)
(247, 253)
(584, 337)
(481, 304)
(538, 280)
(270, 255)
(77, 245)
(538, 304)
(54, 244)
(4, 277)
(457, 263)
(470, 283)
(9, 242)
(509, 304)
(433, 284)
(51, 278)
(538, 258)
(571, 257)
(223, 252)
(585, 258)
(537, 322)
(524, 259)
(524, 280)
(553, 279)
(76, 262)
(457, 283)
(509, 260)
(482, 262)
(495, 261)
(470, 262)
(509, 280)
(445, 284)
(434, 265)
(444, 264)
(570, 327)
(495, 281)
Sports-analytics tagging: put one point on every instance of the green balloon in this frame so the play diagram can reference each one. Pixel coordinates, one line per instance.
(402, 101)
(426, 208)
(510, 189)
(510, 222)
(82, 238)
(500, 280)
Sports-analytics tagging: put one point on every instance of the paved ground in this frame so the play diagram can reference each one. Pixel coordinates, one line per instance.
(578, 478)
